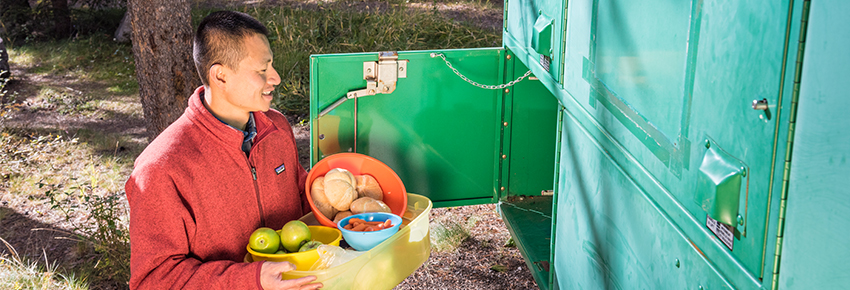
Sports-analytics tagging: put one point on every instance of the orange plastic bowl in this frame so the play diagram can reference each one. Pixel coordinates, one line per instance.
(395, 196)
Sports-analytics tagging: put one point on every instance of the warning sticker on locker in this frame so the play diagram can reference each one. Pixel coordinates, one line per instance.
(721, 230)
(545, 61)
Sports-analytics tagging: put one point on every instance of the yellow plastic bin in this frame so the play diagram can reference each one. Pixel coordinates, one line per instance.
(301, 260)
(389, 263)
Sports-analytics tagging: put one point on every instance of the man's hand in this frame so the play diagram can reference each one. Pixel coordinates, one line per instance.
(271, 277)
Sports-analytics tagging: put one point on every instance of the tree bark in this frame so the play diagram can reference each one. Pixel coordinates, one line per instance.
(124, 32)
(62, 16)
(162, 47)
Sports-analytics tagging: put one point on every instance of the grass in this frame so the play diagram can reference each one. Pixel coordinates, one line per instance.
(449, 231)
(295, 34)
(18, 273)
(93, 58)
(80, 184)
(78, 175)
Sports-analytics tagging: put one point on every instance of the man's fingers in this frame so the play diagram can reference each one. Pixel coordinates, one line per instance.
(275, 271)
(301, 283)
(283, 266)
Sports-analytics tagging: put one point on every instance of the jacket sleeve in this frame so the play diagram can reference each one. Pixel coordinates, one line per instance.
(161, 227)
(302, 183)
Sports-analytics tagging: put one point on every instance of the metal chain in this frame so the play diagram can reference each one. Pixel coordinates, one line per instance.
(489, 87)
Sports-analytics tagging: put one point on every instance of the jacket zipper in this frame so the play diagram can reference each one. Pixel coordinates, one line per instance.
(254, 176)
(257, 192)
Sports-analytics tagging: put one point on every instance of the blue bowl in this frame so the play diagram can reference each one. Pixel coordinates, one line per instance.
(364, 241)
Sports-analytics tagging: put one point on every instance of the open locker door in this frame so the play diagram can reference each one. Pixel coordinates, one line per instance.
(456, 142)
(443, 136)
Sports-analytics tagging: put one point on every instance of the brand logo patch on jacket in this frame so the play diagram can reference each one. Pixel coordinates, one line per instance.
(280, 168)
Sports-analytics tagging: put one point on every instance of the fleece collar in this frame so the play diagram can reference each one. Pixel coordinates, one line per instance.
(199, 115)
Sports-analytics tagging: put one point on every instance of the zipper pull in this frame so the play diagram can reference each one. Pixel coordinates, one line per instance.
(254, 172)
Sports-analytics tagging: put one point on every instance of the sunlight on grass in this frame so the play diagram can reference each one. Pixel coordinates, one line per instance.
(31, 163)
(95, 58)
(21, 58)
(124, 105)
(82, 177)
(18, 273)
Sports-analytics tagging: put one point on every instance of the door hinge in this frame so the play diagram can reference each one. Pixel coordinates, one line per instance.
(381, 78)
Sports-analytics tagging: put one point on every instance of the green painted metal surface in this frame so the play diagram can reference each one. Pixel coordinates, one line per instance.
(529, 221)
(646, 85)
(528, 136)
(719, 185)
(521, 16)
(814, 252)
(611, 233)
(656, 133)
(444, 137)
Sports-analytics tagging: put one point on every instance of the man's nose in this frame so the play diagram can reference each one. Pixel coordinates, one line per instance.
(274, 78)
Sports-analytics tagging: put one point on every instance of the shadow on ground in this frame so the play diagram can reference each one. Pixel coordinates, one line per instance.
(33, 240)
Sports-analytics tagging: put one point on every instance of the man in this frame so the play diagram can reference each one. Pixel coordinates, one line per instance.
(226, 167)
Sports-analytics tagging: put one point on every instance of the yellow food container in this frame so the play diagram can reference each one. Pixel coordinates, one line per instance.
(301, 260)
(388, 263)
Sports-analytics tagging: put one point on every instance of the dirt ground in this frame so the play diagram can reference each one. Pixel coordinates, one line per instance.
(482, 261)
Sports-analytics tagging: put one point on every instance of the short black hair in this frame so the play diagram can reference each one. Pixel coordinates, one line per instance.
(219, 39)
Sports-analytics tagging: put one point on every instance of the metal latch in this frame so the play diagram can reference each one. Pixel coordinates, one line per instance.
(381, 77)
(761, 105)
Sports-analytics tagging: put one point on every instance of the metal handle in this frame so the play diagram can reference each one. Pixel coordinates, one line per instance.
(760, 105)
(333, 106)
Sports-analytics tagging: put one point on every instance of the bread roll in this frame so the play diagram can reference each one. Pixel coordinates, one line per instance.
(340, 173)
(368, 204)
(367, 186)
(341, 215)
(340, 193)
(317, 191)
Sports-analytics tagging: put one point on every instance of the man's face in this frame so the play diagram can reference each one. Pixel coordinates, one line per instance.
(249, 89)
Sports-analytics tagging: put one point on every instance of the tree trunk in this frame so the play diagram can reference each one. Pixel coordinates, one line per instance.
(162, 46)
(62, 16)
(124, 32)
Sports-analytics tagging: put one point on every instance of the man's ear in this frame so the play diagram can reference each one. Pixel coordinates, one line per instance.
(217, 75)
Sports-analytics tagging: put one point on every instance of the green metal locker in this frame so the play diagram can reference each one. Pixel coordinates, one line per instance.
(647, 144)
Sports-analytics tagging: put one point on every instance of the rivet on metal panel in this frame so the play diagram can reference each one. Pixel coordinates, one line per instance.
(744, 172)
(740, 220)
(502, 188)
(369, 70)
(508, 57)
(321, 136)
(507, 91)
(707, 144)
(401, 68)
(504, 156)
(386, 89)
(505, 124)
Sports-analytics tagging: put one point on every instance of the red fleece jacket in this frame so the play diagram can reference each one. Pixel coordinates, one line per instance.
(195, 198)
